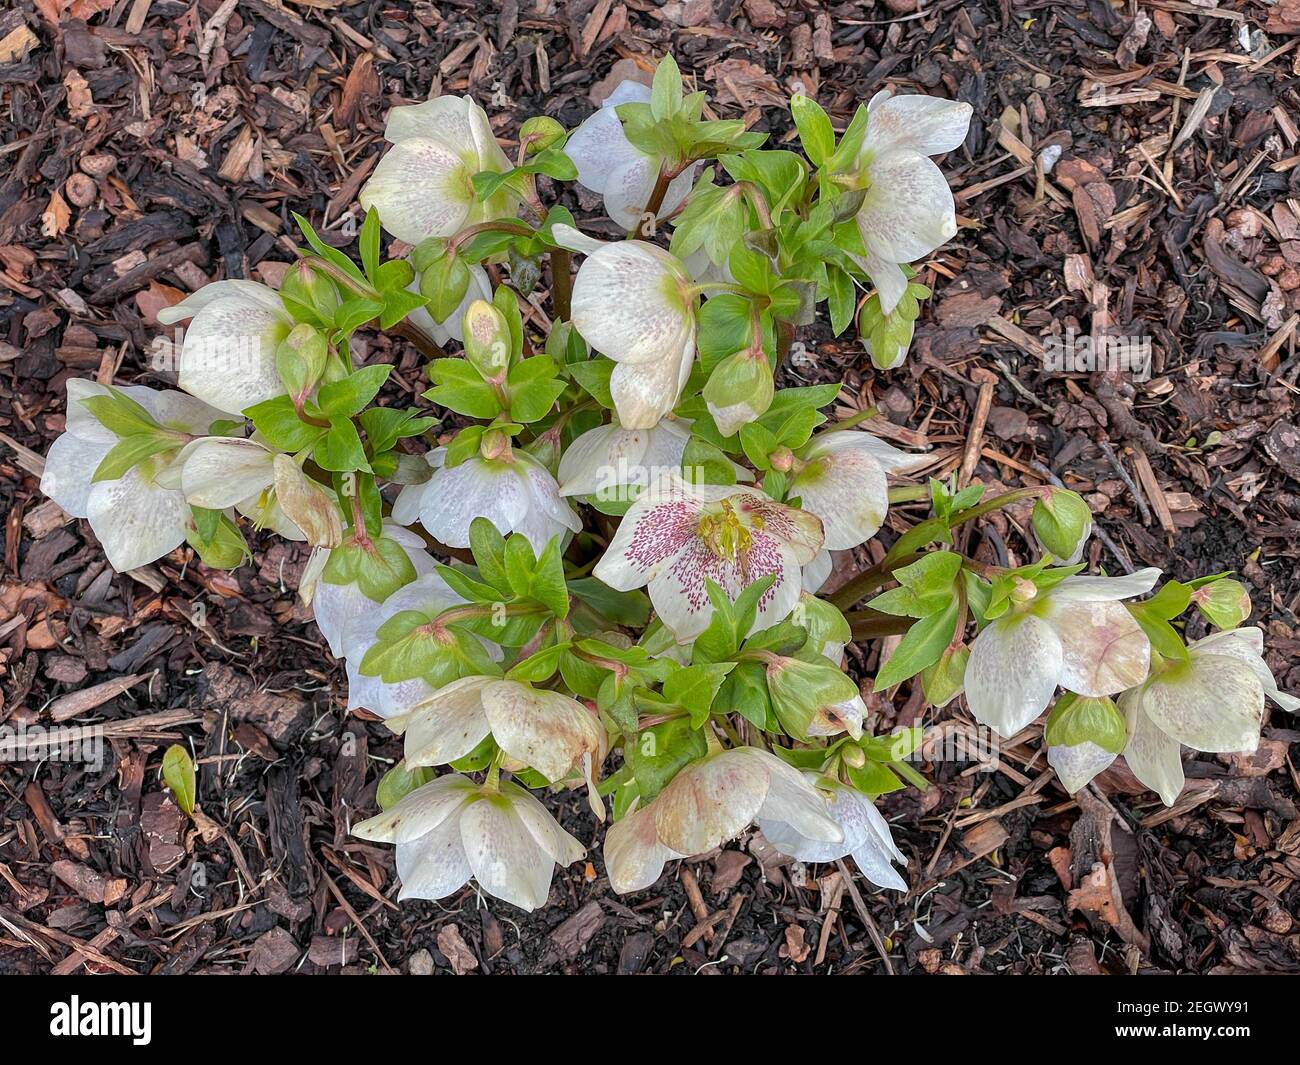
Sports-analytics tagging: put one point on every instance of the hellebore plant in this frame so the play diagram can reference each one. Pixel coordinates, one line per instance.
(591, 560)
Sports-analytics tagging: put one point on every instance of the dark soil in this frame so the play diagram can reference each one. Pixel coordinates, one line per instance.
(149, 146)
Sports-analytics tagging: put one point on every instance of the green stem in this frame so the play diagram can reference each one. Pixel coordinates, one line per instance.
(562, 282)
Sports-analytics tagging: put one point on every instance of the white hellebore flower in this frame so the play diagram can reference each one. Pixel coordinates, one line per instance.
(512, 490)
(676, 536)
(608, 163)
(228, 354)
(635, 303)
(866, 836)
(610, 457)
(908, 210)
(423, 187)
(218, 472)
(541, 729)
(1077, 635)
(140, 516)
(843, 480)
(1212, 702)
(340, 606)
(362, 619)
(452, 829)
(708, 803)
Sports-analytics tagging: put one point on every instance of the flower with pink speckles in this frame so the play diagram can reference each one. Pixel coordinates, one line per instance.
(678, 536)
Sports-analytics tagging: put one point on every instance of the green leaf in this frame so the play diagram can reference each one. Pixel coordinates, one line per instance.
(815, 131)
(459, 387)
(278, 422)
(534, 388)
(1078, 719)
(120, 414)
(666, 91)
(695, 687)
(745, 692)
(344, 398)
(129, 452)
(922, 646)
(340, 449)
(178, 774)
(328, 253)
(623, 608)
(594, 376)
(368, 242)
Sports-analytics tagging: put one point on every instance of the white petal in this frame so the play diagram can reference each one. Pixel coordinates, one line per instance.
(549, 514)
(598, 148)
(629, 303)
(228, 354)
(136, 521)
(449, 725)
(543, 729)
(557, 843)
(1104, 649)
(454, 497)
(848, 491)
(887, 276)
(816, 572)
(657, 526)
(909, 209)
(250, 294)
(1247, 644)
(710, 802)
(1214, 703)
(69, 466)
(456, 121)
(890, 458)
(576, 240)
(1013, 670)
(420, 189)
(218, 472)
(1153, 757)
(1106, 589)
(434, 865)
(792, 800)
(925, 124)
(418, 813)
(645, 393)
(628, 189)
(1077, 764)
(334, 605)
(634, 857)
(507, 860)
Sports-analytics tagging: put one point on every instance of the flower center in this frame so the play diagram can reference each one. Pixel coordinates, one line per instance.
(725, 532)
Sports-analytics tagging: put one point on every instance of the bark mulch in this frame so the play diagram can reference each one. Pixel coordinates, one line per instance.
(1133, 176)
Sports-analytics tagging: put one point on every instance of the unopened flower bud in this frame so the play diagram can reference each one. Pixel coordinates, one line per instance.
(1024, 591)
(307, 504)
(806, 696)
(494, 445)
(1223, 603)
(782, 459)
(546, 449)
(487, 340)
(539, 133)
(739, 390)
(854, 757)
(300, 359)
(310, 289)
(1062, 522)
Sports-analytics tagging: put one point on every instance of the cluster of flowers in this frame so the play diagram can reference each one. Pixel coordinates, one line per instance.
(639, 520)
